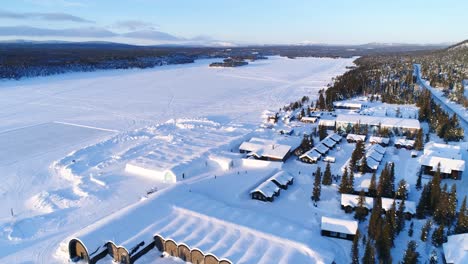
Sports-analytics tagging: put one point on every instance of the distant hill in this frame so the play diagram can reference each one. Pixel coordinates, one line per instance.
(460, 45)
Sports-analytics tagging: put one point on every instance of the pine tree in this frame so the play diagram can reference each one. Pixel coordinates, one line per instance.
(441, 211)
(355, 249)
(360, 212)
(327, 176)
(373, 186)
(384, 244)
(350, 187)
(369, 254)
(452, 204)
(322, 132)
(411, 255)
(422, 204)
(425, 230)
(418, 142)
(321, 102)
(419, 181)
(375, 219)
(317, 187)
(438, 236)
(401, 191)
(344, 182)
(462, 220)
(435, 189)
(400, 217)
(392, 221)
(411, 230)
(363, 168)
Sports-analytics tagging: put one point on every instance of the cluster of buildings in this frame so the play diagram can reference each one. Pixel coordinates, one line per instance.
(374, 156)
(321, 149)
(349, 202)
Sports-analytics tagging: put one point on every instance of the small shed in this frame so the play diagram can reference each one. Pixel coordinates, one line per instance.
(339, 228)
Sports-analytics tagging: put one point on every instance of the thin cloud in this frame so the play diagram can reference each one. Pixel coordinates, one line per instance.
(25, 31)
(43, 16)
(134, 25)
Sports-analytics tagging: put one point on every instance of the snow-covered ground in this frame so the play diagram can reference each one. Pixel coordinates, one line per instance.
(65, 140)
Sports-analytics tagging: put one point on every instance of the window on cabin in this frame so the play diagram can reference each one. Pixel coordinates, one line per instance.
(333, 234)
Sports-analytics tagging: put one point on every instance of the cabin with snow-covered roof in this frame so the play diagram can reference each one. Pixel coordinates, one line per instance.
(449, 168)
(311, 156)
(339, 228)
(382, 141)
(337, 138)
(448, 156)
(264, 149)
(352, 138)
(282, 179)
(404, 143)
(350, 201)
(266, 191)
(330, 143)
(327, 123)
(321, 148)
(348, 105)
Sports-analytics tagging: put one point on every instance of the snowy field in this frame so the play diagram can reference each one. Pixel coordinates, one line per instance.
(65, 140)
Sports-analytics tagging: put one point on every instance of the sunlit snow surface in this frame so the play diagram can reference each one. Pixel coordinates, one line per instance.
(65, 139)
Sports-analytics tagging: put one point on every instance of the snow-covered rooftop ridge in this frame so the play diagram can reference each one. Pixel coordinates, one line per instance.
(379, 140)
(356, 137)
(321, 148)
(378, 148)
(267, 188)
(352, 200)
(282, 177)
(456, 249)
(442, 150)
(389, 122)
(447, 165)
(348, 104)
(327, 122)
(311, 154)
(265, 148)
(339, 225)
(403, 141)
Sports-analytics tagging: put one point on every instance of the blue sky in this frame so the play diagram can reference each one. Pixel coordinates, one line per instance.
(236, 21)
